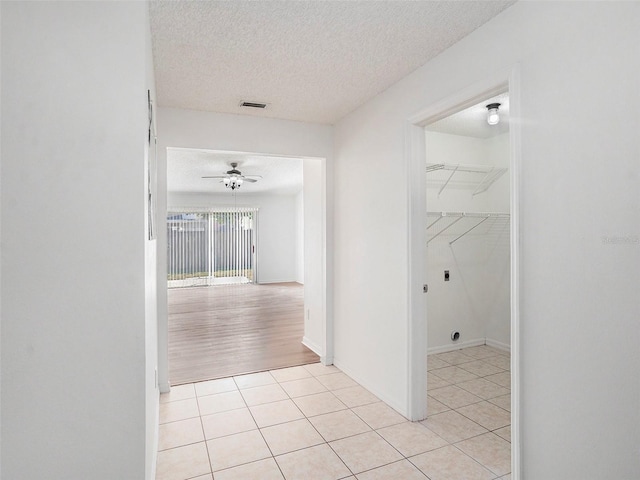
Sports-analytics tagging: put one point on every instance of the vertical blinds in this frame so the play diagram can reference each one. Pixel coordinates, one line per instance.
(211, 247)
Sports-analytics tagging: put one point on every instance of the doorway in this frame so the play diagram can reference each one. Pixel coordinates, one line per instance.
(468, 272)
(243, 303)
(207, 247)
(420, 234)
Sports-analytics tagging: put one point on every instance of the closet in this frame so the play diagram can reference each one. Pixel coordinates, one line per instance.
(468, 234)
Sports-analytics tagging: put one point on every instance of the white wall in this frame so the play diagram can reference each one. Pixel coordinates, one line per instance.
(475, 301)
(74, 115)
(240, 133)
(276, 233)
(580, 221)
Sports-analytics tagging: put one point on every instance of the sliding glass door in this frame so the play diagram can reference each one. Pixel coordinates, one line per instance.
(212, 247)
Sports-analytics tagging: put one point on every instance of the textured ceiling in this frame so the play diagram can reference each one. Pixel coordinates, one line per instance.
(312, 61)
(186, 167)
(472, 122)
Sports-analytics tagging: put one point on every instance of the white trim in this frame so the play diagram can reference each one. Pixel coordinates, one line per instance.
(515, 172)
(415, 154)
(498, 82)
(315, 348)
(456, 346)
(499, 345)
(164, 387)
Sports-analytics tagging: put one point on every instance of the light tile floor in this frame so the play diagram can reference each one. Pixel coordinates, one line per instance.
(315, 423)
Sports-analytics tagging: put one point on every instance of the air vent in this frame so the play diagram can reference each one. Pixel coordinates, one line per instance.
(253, 104)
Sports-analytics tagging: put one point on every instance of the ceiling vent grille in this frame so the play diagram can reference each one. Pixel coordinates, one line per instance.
(253, 104)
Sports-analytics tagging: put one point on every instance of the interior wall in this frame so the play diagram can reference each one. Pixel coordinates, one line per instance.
(276, 232)
(314, 257)
(74, 125)
(476, 300)
(458, 304)
(579, 224)
(243, 133)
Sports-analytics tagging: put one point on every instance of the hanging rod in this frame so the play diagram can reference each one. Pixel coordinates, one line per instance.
(478, 218)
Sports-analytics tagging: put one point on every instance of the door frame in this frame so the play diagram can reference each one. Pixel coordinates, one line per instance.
(415, 161)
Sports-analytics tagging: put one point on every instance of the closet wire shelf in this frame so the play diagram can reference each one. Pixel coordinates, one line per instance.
(459, 224)
(475, 177)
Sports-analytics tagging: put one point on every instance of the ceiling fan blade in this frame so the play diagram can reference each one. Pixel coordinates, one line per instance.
(216, 176)
(253, 176)
(250, 180)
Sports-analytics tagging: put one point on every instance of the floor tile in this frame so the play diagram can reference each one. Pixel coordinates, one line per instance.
(483, 388)
(238, 449)
(504, 432)
(209, 476)
(266, 469)
(503, 401)
(483, 351)
(433, 381)
(411, 438)
(455, 358)
(449, 463)
(319, 403)
(178, 410)
(434, 406)
(502, 361)
(490, 450)
(335, 381)
(290, 436)
(264, 394)
(481, 368)
(179, 392)
(453, 374)
(254, 380)
(315, 463)
(402, 470)
(177, 434)
(302, 387)
(503, 379)
(365, 451)
(220, 402)
(487, 414)
(344, 423)
(212, 387)
(183, 462)
(454, 397)
(269, 414)
(506, 477)
(291, 373)
(355, 396)
(434, 362)
(378, 415)
(228, 423)
(452, 426)
(317, 369)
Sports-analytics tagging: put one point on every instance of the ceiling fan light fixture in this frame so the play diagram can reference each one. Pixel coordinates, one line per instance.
(493, 117)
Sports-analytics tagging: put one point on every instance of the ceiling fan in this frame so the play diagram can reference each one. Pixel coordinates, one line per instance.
(234, 177)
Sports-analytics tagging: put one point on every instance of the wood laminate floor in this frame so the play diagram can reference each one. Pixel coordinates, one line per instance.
(221, 331)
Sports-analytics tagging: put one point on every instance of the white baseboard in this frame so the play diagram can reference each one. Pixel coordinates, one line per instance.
(456, 346)
(164, 387)
(313, 347)
(499, 345)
